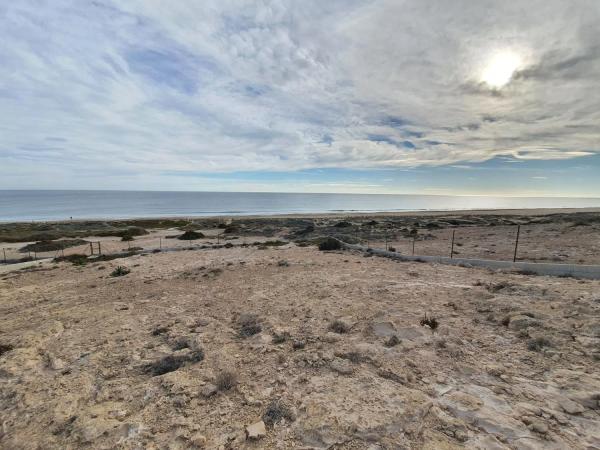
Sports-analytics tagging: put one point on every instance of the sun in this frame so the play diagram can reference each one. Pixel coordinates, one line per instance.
(500, 69)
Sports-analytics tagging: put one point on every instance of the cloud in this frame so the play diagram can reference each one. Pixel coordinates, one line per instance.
(146, 86)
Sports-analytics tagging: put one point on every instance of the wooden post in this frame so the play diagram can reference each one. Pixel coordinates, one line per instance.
(160, 243)
(386, 246)
(35, 256)
(99, 248)
(91, 248)
(517, 243)
(413, 250)
(4, 251)
(452, 246)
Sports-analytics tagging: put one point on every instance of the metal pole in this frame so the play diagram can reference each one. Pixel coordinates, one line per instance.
(517, 243)
(452, 246)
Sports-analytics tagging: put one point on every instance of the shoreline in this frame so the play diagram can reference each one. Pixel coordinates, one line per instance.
(325, 215)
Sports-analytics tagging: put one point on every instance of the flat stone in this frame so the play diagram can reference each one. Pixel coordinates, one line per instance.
(341, 366)
(538, 426)
(256, 430)
(571, 407)
(383, 329)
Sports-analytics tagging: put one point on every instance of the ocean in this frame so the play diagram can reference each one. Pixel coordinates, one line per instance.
(31, 205)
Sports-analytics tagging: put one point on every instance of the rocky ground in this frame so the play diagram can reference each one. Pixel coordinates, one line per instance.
(290, 347)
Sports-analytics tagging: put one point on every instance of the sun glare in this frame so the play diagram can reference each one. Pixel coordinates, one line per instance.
(500, 69)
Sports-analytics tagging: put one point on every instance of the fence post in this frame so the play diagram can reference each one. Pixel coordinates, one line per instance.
(517, 243)
(160, 243)
(452, 246)
(413, 246)
(99, 248)
(91, 249)
(4, 251)
(386, 246)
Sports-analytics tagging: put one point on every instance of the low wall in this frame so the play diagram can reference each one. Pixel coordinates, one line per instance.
(557, 270)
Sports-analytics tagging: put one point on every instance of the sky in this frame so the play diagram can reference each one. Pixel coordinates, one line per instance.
(375, 96)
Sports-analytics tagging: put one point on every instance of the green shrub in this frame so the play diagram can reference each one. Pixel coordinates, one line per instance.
(330, 244)
(190, 236)
(120, 271)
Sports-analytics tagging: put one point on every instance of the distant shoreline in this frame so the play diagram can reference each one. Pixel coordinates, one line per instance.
(414, 213)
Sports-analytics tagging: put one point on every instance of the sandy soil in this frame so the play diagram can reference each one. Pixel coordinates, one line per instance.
(513, 363)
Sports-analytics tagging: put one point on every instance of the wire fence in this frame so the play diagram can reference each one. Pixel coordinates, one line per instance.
(502, 243)
(505, 243)
(18, 252)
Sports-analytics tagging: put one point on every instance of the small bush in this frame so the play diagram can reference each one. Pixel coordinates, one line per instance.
(180, 344)
(226, 380)
(537, 344)
(430, 322)
(52, 246)
(330, 244)
(391, 249)
(392, 341)
(120, 271)
(171, 363)
(298, 344)
(276, 411)
(5, 348)
(280, 338)
(190, 236)
(337, 326)
(160, 330)
(249, 325)
(343, 224)
(76, 260)
(127, 238)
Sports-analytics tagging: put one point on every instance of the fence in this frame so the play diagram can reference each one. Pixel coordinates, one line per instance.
(13, 253)
(502, 243)
(591, 272)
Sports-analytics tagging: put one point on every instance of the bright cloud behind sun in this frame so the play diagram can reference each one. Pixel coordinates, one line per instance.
(112, 89)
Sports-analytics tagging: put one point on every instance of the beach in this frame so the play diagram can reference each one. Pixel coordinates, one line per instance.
(251, 337)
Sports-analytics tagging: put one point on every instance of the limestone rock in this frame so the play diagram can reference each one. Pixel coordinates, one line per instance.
(521, 322)
(571, 407)
(256, 430)
(208, 390)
